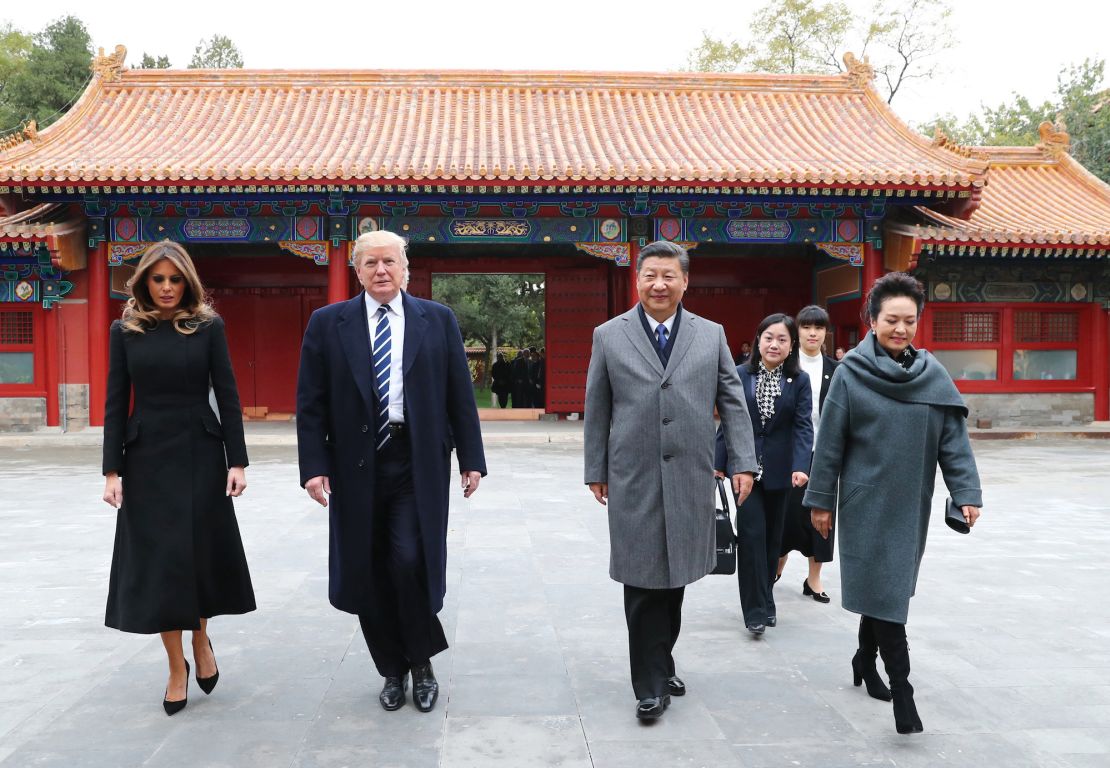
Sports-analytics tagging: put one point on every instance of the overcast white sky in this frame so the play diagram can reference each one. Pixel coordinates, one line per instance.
(1002, 46)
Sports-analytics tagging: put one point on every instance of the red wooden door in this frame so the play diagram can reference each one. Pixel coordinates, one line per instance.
(577, 302)
(237, 311)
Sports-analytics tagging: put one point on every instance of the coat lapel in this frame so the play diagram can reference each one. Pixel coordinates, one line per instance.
(788, 384)
(415, 325)
(354, 334)
(634, 330)
(686, 330)
(827, 369)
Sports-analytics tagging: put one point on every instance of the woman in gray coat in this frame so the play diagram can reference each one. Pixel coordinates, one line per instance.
(891, 416)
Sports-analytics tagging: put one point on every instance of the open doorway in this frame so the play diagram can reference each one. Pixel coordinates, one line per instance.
(501, 317)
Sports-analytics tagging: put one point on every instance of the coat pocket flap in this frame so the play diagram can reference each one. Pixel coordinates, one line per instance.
(211, 426)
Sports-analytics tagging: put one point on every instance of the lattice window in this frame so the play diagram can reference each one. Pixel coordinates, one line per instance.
(966, 326)
(1034, 327)
(17, 328)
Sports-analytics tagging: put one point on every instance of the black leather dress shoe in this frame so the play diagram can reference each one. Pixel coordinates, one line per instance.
(772, 621)
(425, 689)
(653, 707)
(756, 629)
(675, 686)
(392, 696)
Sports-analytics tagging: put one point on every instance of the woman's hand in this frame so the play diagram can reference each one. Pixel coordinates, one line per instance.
(822, 521)
(113, 490)
(971, 514)
(798, 479)
(236, 481)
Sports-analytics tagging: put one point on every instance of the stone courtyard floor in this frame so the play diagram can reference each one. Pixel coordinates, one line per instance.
(1009, 636)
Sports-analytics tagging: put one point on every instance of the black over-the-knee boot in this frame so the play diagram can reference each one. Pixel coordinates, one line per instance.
(896, 657)
(863, 663)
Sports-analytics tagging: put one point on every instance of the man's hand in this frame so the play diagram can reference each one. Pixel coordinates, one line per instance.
(470, 480)
(600, 491)
(798, 479)
(742, 486)
(822, 521)
(319, 488)
(113, 490)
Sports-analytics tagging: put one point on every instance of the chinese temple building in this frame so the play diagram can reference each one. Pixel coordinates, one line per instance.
(788, 189)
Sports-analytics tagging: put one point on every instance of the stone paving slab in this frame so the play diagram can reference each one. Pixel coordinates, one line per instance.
(1009, 633)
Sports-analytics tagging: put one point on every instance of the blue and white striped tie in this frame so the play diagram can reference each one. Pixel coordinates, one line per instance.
(381, 361)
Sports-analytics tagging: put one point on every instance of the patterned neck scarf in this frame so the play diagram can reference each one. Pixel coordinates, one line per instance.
(768, 386)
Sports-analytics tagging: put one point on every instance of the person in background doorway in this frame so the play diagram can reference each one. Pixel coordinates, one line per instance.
(171, 468)
(798, 534)
(501, 385)
(520, 374)
(839, 354)
(539, 373)
(745, 353)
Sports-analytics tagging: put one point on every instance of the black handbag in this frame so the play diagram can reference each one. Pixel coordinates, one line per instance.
(726, 536)
(954, 516)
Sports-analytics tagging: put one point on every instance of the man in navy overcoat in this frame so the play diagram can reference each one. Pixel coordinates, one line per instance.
(383, 395)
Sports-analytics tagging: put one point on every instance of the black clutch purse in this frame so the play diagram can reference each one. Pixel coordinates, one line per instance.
(954, 517)
(726, 536)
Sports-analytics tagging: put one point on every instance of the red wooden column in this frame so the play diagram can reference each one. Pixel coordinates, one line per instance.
(338, 286)
(1101, 351)
(50, 328)
(872, 271)
(98, 331)
(634, 254)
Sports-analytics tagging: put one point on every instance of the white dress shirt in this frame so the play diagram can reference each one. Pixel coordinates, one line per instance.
(815, 367)
(396, 315)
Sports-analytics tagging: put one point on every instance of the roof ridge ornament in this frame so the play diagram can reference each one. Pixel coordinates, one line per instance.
(29, 131)
(1055, 141)
(859, 71)
(943, 141)
(109, 67)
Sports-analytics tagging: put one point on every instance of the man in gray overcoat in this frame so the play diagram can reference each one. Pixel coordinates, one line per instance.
(655, 374)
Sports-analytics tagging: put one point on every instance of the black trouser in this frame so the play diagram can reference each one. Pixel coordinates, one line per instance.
(654, 619)
(759, 524)
(401, 630)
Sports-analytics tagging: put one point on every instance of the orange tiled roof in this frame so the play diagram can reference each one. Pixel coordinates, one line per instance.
(1033, 197)
(48, 223)
(280, 127)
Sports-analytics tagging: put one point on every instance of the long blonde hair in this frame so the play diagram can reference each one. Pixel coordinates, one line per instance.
(140, 313)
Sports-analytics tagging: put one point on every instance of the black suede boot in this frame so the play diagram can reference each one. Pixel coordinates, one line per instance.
(896, 656)
(863, 663)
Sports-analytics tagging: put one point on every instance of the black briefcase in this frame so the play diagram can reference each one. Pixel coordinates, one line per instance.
(726, 536)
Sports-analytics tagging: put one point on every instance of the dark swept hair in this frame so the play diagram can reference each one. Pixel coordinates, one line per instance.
(664, 249)
(790, 365)
(893, 285)
(812, 315)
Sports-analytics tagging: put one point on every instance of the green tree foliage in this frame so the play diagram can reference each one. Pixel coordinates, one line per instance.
(217, 53)
(15, 49)
(54, 74)
(150, 62)
(494, 310)
(1080, 104)
(904, 41)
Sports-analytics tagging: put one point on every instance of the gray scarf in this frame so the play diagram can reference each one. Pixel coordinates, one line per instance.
(926, 381)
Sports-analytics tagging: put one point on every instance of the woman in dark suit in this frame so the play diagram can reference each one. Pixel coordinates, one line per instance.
(778, 395)
(798, 534)
(891, 416)
(178, 557)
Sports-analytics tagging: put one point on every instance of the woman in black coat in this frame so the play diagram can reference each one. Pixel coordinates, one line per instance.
(178, 557)
(799, 534)
(779, 405)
